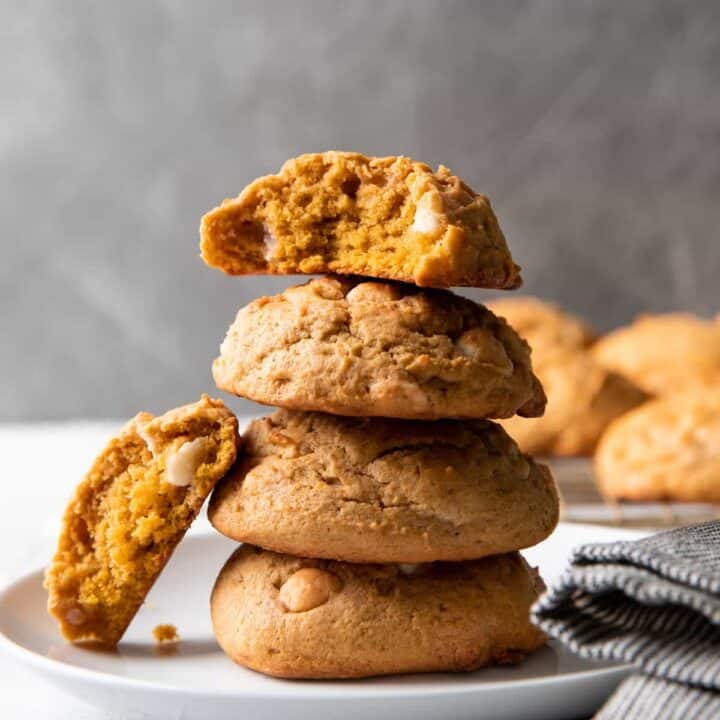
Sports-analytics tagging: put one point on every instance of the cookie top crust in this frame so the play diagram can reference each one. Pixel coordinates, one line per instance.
(308, 618)
(353, 347)
(130, 511)
(376, 490)
(342, 212)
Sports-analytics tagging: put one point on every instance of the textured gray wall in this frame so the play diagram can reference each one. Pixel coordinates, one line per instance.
(593, 126)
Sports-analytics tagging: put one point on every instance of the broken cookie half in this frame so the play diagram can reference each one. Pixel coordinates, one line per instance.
(345, 213)
(129, 513)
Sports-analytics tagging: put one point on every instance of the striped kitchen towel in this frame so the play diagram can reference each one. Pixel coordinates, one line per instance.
(654, 604)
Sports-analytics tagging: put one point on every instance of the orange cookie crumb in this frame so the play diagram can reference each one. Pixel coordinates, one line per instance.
(165, 633)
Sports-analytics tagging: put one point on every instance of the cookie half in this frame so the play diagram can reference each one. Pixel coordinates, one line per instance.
(583, 399)
(351, 347)
(129, 513)
(342, 212)
(300, 618)
(378, 491)
(668, 449)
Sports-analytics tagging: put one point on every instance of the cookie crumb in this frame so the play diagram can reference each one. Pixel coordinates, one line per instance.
(165, 634)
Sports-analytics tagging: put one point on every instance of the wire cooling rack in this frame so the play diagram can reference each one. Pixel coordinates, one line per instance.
(582, 502)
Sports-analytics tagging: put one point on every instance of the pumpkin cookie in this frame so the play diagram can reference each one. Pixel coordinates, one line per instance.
(668, 449)
(583, 398)
(302, 618)
(129, 513)
(342, 212)
(351, 347)
(378, 491)
(544, 325)
(662, 353)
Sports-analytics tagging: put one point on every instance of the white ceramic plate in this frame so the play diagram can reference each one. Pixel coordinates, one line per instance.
(199, 681)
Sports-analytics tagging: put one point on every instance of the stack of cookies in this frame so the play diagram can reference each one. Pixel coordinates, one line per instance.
(381, 511)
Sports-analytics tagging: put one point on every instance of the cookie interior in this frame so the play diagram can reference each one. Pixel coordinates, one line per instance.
(130, 511)
(346, 213)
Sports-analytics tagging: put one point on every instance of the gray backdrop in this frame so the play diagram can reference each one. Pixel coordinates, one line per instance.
(593, 126)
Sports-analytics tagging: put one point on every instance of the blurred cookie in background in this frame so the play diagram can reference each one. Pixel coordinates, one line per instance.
(663, 353)
(543, 324)
(583, 398)
(668, 449)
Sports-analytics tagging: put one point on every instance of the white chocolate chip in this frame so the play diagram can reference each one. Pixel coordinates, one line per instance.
(372, 292)
(481, 347)
(75, 616)
(408, 568)
(148, 440)
(271, 244)
(308, 588)
(426, 221)
(181, 465)
(427, 214)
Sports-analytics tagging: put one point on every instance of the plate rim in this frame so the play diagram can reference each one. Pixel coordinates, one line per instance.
(354, 689)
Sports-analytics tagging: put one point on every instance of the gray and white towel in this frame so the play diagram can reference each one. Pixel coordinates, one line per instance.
(652, 603)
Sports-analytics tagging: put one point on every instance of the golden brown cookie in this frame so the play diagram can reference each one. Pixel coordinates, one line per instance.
(662, 353)
(583, 398)
(668, 449)
(342, 212)
(300, 618)
(378, 491)
(129, 513)
(543, 324)
(351, 347)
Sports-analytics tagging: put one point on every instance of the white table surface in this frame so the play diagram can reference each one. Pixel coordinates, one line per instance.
(41, 464)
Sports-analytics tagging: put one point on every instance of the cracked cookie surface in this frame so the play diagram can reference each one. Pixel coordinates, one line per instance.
(307, 618)
(130, 511)
(343, 212)
(354, 347)
(376, 490)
